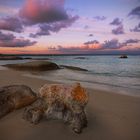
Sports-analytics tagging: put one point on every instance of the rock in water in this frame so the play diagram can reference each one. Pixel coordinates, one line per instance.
(60, 102)
(123, 56)
(34, 66)
(15, 97)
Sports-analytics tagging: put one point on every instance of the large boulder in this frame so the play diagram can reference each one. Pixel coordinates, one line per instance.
(15, 97)
(34, 66)
(59, 101)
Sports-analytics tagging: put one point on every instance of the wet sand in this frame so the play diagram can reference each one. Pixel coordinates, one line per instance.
(110, 116)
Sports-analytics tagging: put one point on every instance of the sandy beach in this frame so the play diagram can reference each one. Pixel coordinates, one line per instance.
(110, 116)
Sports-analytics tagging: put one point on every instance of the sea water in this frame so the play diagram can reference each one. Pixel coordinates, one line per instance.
(105, 72)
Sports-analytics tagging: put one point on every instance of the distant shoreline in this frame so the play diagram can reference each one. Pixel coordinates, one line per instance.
(118, 54)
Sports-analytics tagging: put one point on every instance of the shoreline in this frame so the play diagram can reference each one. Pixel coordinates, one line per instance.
(110, 116)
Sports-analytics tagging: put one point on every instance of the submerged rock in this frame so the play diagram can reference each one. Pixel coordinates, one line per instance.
(73, 68)
(58, 101)
(15, 97)
(34, 66)
(2, 57)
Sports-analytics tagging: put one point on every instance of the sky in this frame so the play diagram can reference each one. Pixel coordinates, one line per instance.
(69, 26)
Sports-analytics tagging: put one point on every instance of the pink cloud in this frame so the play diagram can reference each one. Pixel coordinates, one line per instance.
(42, 11)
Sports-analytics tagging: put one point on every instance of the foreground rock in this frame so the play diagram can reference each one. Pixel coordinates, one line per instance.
(34, 66)
(15, 97)
(73, 68)
(57, 101)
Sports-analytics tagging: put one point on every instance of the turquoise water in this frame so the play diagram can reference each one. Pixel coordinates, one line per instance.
(105, 72)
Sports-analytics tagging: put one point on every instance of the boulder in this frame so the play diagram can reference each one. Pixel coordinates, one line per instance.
(14, 97)
(59, 101)
(34, 66)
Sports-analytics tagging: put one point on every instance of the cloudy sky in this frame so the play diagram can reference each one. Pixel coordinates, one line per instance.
(69, 26)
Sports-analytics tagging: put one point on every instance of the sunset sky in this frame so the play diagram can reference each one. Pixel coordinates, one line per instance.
(69, 26)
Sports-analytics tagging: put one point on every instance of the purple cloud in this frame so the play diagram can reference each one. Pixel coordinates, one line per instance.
(112, 44)
(115, 44)
(119, 30)
(91, 42)
(49, 16)
(9, 40)
(116, 22)
(90, 35)
(100, 18)
(131, 41)
(86, 27)
(135, 12)
(11, 24)
(46, 29)
(136, 28)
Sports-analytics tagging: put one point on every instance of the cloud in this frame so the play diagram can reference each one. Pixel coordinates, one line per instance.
(43, 11)
(100, 18)
(112, 44)
(91, 42)
(74, 50)
(93, 47)
(7, 10)
(131, 41)
(90, 35)
(115, 44)
(11, 24)
(119, 30)
(49, 16)
(116, 22)
(46, 29)
(136, 28)
(86, 27)
(135, 12)
(9, 40)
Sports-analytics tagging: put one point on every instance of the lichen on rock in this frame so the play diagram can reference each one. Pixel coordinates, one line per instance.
(59, 101)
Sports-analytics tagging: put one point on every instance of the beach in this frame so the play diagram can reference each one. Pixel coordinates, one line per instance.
(111, 116)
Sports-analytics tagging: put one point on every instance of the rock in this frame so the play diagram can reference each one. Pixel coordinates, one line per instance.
(123, 56)
(73, 68)
(27, 58)
(15, 97)
(34, 66)
(41, 59)
(4, 57)
(58, 101)
(80, 58)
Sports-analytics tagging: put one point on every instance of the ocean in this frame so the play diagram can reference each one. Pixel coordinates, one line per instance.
(105, 72)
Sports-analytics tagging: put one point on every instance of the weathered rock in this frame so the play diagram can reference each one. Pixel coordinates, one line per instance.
(15, 97)
(35, 111)
(73, 68)
(34, 66)
(60, 102)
